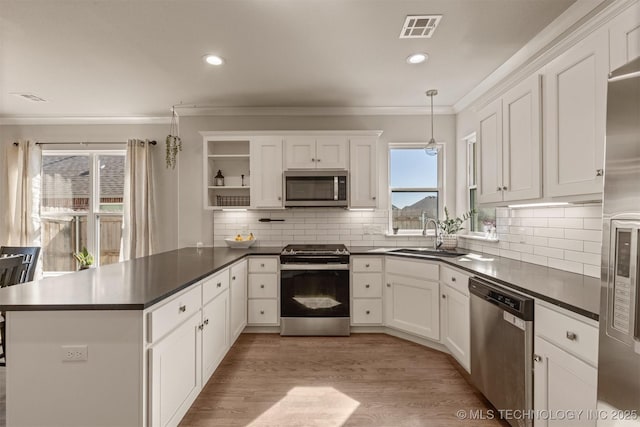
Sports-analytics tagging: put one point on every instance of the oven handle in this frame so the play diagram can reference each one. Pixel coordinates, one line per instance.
(314, 266)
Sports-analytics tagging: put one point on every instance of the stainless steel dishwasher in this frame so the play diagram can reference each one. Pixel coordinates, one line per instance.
(502, 349)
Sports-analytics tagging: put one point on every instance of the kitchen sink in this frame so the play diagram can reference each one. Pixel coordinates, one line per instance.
(430, 252)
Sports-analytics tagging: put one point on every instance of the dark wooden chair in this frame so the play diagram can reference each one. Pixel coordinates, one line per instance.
(11, 268)
(30, 259)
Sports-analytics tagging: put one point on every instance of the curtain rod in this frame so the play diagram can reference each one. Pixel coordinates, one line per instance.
(82, 143)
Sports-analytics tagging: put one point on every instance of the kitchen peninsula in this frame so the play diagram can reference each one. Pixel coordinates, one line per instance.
(91, 347)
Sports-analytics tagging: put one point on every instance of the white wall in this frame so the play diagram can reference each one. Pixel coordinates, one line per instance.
(165, 179)
(196, 224)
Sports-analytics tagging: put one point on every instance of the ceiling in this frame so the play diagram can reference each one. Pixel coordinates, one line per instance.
(138, 57)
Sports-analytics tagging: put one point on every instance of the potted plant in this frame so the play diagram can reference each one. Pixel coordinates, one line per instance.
(449, 228)
(84, 258)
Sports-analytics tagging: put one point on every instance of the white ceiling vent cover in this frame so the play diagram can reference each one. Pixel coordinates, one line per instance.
(419, 26)
(30, 97)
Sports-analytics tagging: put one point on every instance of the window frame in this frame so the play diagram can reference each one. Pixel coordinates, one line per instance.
(472, 176)
(440, 189)
(93, 215)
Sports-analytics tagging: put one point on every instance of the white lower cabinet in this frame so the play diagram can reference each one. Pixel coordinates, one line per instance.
(565, 371)
(366, 291)
(263, 311)
(215, 334)
(189, 336)
(412, 297)
(454, 315)
(263, 285)
(238, 298)
(175, 373)
(456, 326)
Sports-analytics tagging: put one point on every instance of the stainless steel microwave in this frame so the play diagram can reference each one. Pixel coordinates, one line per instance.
(316, 188)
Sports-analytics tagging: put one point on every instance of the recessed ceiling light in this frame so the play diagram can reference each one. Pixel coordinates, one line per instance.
(417, 58)
(213, 60)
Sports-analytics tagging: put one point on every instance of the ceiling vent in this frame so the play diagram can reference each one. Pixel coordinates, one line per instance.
(419, 26)
(30, 97)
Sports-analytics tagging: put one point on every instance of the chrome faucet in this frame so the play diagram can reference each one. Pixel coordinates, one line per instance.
(436, 245)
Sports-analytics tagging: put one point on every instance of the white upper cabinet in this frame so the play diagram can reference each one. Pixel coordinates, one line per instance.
(510, 146)
(300, 152)
(575, 88)
(316, 152)
(521, 150)
(624, 37)
(266, 170)
(490, 143)
(363, 172)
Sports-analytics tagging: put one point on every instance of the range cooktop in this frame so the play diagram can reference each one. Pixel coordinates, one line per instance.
(336, 249)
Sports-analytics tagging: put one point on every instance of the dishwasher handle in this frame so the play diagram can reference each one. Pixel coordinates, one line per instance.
(519, 305)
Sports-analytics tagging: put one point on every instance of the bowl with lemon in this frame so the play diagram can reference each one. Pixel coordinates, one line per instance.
(240, 241)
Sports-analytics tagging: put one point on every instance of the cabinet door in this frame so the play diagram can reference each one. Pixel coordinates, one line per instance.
(521, 148)
(490, 143)
(575, 86)
(412, 305)
(238, 288)
(266, 172)
(562, 382)
(215, 334)
(300, 152)
(175, 372)
(332, 152)
(363, 173)
(624, 37)
(455, 325)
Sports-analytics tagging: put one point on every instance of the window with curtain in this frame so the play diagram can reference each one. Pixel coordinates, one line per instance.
(81, 206)
(415, 187)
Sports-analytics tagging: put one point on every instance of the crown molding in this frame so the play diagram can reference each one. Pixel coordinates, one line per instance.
(223, 133)
(205, 110)
(93, 120)
(578, 21)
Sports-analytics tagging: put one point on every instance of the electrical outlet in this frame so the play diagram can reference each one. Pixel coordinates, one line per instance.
(74, 353)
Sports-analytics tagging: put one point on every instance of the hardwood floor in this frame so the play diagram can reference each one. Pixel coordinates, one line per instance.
(362, 380)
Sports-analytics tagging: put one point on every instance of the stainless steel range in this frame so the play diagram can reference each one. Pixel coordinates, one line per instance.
(314, 290)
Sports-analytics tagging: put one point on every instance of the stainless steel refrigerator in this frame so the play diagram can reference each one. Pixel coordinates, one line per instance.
(619, 351)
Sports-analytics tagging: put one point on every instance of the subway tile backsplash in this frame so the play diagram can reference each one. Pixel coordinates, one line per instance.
(567, 238)
(312, 225)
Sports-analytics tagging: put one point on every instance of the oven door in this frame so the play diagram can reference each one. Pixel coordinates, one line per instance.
(314, 290)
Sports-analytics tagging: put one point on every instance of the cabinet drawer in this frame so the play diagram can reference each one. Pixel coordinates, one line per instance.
(263, 265)
(212, 286)
(572, 335)
(367, 285)
(367, 264)
(367, 311)
(174, 312)
(418, 269)
(263, 311)
(455, 279)
(263, 285)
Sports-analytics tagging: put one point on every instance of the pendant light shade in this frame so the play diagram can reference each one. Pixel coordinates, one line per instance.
(431, 148)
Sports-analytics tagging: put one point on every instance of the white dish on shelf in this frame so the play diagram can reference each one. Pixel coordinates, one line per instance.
(233, 243)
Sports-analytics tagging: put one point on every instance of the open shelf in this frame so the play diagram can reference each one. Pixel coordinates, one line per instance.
(230, 156)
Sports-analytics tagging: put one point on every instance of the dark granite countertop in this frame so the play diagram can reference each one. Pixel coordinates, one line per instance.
(140, 283)
(575, 292)
(131, 285)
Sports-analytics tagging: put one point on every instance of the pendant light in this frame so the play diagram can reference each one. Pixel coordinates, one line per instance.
(431, 148)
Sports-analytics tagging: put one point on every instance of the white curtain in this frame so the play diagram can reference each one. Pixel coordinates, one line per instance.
(139, 209)
(21, 194)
